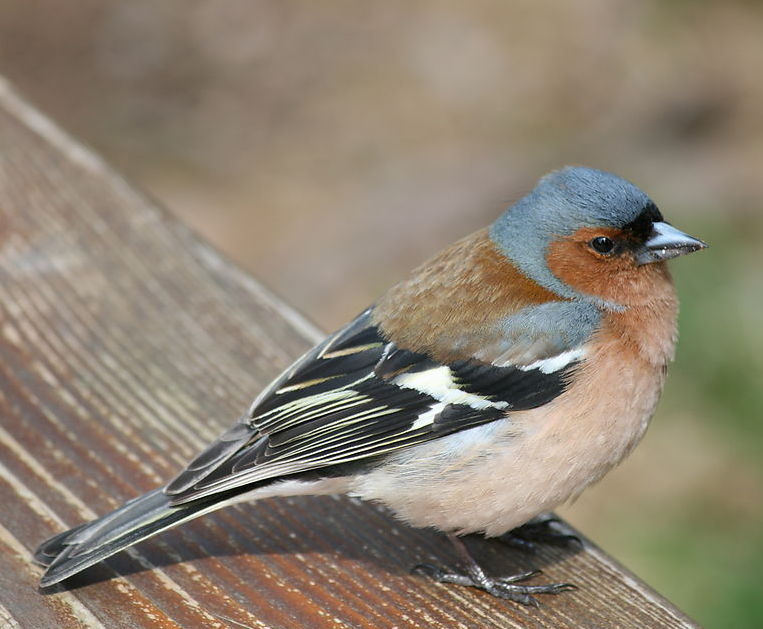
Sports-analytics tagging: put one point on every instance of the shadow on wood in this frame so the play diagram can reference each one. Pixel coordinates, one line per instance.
(324, 530)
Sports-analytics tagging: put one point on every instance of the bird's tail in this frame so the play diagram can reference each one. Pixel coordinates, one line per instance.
(74, 550)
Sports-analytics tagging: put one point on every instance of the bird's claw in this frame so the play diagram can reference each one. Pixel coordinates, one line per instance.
(501, 587)
(540, 531)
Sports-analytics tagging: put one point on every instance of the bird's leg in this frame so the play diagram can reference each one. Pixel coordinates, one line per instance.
(539, 530)
(502, 587)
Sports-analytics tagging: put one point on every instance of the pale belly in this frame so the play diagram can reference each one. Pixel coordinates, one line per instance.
(496, 477)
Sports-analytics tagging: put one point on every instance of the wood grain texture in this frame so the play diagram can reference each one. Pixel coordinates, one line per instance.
(126, 344)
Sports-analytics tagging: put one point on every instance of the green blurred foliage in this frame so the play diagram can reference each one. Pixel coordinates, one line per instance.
(719, 374)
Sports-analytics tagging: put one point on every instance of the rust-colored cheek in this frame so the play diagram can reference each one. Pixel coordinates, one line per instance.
(615, 278)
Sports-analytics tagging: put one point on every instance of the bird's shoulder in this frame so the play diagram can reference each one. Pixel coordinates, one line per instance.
(470, 300)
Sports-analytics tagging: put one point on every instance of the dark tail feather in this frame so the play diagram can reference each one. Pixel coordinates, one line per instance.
(51, 548)
(72, 551)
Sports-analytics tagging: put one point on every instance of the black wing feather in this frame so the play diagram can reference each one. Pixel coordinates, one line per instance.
(520, 389)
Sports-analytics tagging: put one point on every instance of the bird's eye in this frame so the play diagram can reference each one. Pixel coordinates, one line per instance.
(602, 244)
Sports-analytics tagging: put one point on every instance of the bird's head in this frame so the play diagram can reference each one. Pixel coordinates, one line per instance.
(587, 233)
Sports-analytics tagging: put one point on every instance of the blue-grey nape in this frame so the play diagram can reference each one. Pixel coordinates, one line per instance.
(561, 203)
(554, 327)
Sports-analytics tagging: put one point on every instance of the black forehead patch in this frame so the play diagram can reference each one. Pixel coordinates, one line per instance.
(641, 226)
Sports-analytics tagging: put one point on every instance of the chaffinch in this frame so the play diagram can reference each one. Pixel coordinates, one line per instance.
(499, 380)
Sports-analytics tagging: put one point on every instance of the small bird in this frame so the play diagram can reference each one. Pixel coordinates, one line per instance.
(505, 375)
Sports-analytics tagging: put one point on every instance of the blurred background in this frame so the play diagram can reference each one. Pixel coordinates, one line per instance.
(329, 147)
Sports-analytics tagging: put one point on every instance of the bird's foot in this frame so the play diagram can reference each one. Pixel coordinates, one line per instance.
(509, 588)
(540, 530)
(503, 587)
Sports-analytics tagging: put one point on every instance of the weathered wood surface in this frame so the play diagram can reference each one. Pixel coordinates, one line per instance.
(126, 344)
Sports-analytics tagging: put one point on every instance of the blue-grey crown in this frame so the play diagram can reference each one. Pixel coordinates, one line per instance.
(561, 203)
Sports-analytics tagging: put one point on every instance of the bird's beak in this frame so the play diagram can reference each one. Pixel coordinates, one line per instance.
(666, 242)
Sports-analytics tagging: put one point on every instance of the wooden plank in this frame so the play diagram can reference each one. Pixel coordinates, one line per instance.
(126, 343)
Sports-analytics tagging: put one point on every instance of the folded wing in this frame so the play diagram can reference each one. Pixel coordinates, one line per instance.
(357, 397)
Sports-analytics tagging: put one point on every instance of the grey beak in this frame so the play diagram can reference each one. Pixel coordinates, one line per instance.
(666, 242)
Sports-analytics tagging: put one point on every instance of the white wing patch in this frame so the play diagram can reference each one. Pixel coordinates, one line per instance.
(438, 383)
(427, 419)
(555, 363)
